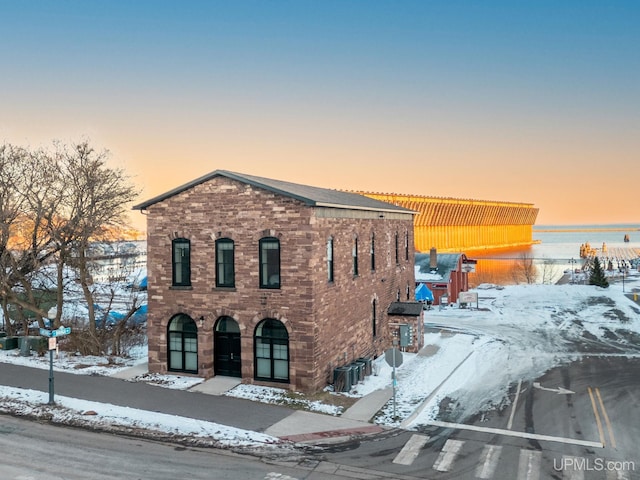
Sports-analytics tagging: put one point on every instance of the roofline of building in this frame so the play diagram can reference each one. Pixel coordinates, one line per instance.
(250, 180)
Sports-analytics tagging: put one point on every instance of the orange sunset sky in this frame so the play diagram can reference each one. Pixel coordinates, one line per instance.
(533, 102)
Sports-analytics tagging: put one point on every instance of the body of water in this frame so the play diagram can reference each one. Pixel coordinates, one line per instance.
(557, 250)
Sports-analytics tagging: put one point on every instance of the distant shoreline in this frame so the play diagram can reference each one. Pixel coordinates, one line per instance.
(592, 229)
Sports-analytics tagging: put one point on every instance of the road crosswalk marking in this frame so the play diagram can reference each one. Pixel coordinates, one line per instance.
(411, 450)
(529, 465)
(447, 455)
(489, 461)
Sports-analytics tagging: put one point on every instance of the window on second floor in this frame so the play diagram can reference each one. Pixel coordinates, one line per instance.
(181, 261)
(406, 246)
(373, 252)
(225, 267)
(269, 262)
(355, 257)
(330, 260)
(396, 249)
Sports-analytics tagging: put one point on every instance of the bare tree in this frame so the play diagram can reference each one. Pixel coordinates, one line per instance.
(524, 269)
(549, 272)
(52, 206)
(95, 202)
(26, 199)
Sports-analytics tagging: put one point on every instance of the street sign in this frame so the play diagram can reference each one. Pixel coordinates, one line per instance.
(52, 343)
(393, 356)
(60, 332)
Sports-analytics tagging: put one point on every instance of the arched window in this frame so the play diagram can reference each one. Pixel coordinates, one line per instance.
(183, 344)
(225, 267)
(181, 261)
(271, 343)
(269, 262)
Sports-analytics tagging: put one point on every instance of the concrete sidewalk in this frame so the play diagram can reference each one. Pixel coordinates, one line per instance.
(299, 426)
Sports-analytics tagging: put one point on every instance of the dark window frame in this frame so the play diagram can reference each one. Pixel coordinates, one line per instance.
(374, 317)
(225, 266)
(373, 252)
(354, 254)
(397, 249)
(406, 246)
(181, 270)
(270, 324)
(269, 260)
(190, 333)
(330, 265)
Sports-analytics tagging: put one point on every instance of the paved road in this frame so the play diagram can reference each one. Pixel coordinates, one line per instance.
(589, 434)
(35, 451)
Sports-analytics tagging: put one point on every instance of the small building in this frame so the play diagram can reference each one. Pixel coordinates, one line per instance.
(273, 282)
(407, 325)
(444, 274)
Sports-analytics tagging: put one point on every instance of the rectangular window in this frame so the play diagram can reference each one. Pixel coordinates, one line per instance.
(330, 260)
(373, 318)
(373, 252)
(269, 263)
(225, 268)
(355, 257)
(181, 262)
(406, 246)
(396, 249)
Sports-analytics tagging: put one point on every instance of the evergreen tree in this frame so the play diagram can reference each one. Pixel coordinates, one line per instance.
(597, 276)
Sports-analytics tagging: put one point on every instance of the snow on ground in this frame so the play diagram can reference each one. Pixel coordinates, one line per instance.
(471, 357)
(72, 411)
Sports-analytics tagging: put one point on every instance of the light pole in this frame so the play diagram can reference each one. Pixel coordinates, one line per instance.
(572, 270)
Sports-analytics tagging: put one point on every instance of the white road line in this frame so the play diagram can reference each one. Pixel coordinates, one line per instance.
(447, 455)
(411, 450)
(574, 467)
(490, 457)
(511, 433)
(529, 465)
(515, 404)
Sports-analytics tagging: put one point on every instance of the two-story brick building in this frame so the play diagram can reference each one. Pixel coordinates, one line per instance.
(271, 281)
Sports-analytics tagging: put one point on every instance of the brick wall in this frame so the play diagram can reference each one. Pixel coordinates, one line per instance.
(329, 323)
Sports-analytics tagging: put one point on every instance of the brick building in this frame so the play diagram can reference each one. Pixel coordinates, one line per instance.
(270, 281)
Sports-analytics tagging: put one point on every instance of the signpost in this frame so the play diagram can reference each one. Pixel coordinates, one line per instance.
(53, 335)
(393, 356)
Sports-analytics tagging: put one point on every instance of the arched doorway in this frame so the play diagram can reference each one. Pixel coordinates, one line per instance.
(226, 348)
(183, 344)
(271, 344)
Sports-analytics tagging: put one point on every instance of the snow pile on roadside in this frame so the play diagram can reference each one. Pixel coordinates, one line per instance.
(130, 421)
